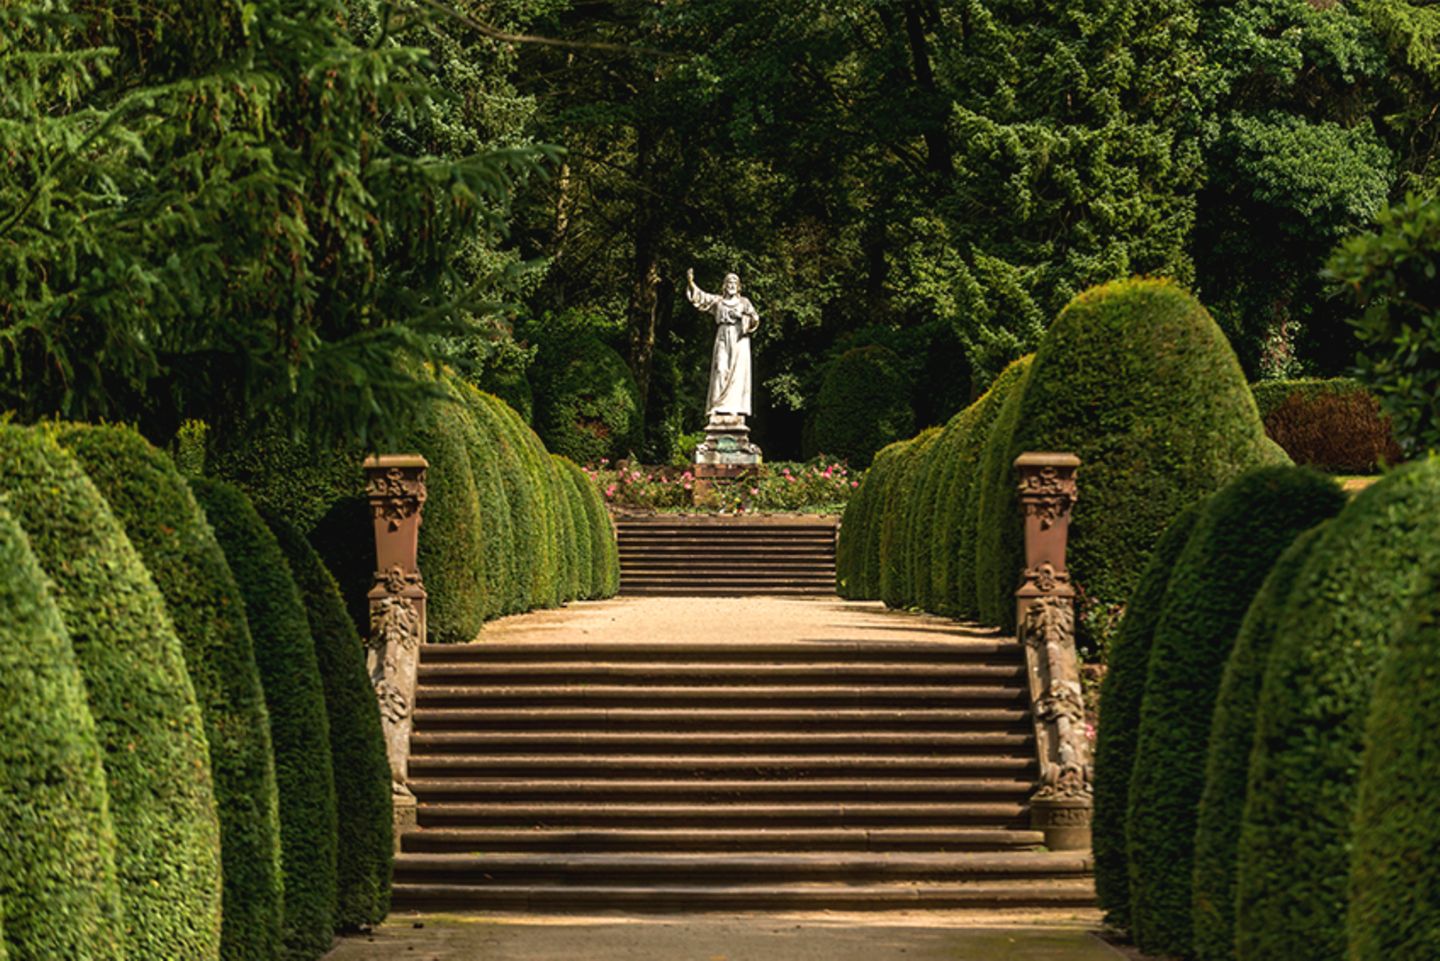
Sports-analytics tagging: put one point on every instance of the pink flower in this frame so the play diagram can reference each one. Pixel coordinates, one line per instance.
(854, 483)
(754, 490)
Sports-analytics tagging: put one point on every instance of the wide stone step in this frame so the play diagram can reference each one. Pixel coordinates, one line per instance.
(758, 765)
(497, 672)
(452, 786)
(990, 894)
(726, 814)
(730, 695)
(899, 743)
(622, 868)
(716, 838)
(721, 719)
(762, 590)
(949, 646)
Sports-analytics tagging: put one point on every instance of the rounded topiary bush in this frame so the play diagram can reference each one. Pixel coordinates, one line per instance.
(496, 530)
(959, 521)
(57, 849)
(1338, 624)
(1241, 532)
(895, 586)
(1394, 910)
(605, 549)
(995, 500)
(168, 529)
(567, 575)
(299, 726)
(579, 566)
(858, 551)
(1334, 425)
(364, 843)
(1121, 693)
(590, 547)
(530, 579)
(587, 405)
(452, 544)
(1232, 736)
(863, 404)
(931, 487)
(1136, 379)
(157, 763)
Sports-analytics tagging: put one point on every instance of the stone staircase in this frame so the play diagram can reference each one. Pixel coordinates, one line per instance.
(657, 776)
(719, 556)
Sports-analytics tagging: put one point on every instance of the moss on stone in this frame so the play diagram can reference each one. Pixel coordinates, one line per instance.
(157, 762)
(165, 524)
(57, 849)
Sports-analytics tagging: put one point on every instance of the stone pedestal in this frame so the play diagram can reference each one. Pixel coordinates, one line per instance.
(395, 485)
(726, 454)
(1045, 608)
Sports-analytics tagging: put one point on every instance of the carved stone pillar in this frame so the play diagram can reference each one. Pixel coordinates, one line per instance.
(396, 488)
(1045, 602)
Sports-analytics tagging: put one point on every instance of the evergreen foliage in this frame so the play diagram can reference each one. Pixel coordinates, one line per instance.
(587, 405)
(960, 516)
(858, 551)
(1121, 694)
(1337, 626)
(522, 481)
(1394, 909)
(1391, 275)
(170, 533)
(1136, 379)
(592, 524)
(1332, 425)
(496, 530)
(863, 404)
(995, 583)
(577, 526)
(1239, 535)
(452, 545)
(283, 147)
(1232, 736)
(157, 763)
(365, 821)
(932, 482)
(299, 727)
(895, 584)
(57, 851)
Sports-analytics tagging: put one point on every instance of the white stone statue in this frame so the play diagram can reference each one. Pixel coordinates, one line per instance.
(735, 321)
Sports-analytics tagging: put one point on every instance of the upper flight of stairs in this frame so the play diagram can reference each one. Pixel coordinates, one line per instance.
(719, 556)
(654, 776)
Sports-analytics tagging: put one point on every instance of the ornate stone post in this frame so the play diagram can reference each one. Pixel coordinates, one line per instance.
(1045, 607)
(396, 488)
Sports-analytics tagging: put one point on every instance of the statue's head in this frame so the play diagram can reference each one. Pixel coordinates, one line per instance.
(732, 284)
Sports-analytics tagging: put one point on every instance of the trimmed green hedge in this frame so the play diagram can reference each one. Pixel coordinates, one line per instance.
(452, 540)
(1394, 909)
(168, 529)
(932, 483)
(57, 848)
(895, 585)
(961, 519)
(863, 405)
(300, 729)
(995, 582)
(587, 405)
(1121, 694)
(280, 474)
(594, 524)
(605, 549)
(1243, 529)
(497, 528)
(1334, 425)
(857, 571)
(157, 763)
(578, 570)
(1339, 623)
(530, 559)
(1136, 379)
(1232, 736)
(364, 842)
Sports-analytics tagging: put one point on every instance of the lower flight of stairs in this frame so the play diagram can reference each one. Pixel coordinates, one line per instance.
(658, 777)
(717, 556)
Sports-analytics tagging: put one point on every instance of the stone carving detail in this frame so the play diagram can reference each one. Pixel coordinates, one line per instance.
(1047, 580)
(1048, 630)
(396, 494)
(1047, 493)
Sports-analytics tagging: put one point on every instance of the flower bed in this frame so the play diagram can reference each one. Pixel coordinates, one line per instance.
(819, 486)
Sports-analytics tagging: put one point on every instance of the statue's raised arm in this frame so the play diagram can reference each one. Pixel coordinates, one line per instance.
(696, 296)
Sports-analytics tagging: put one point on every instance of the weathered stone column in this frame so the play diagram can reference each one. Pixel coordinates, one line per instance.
(1045, 603)
(396, 488)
